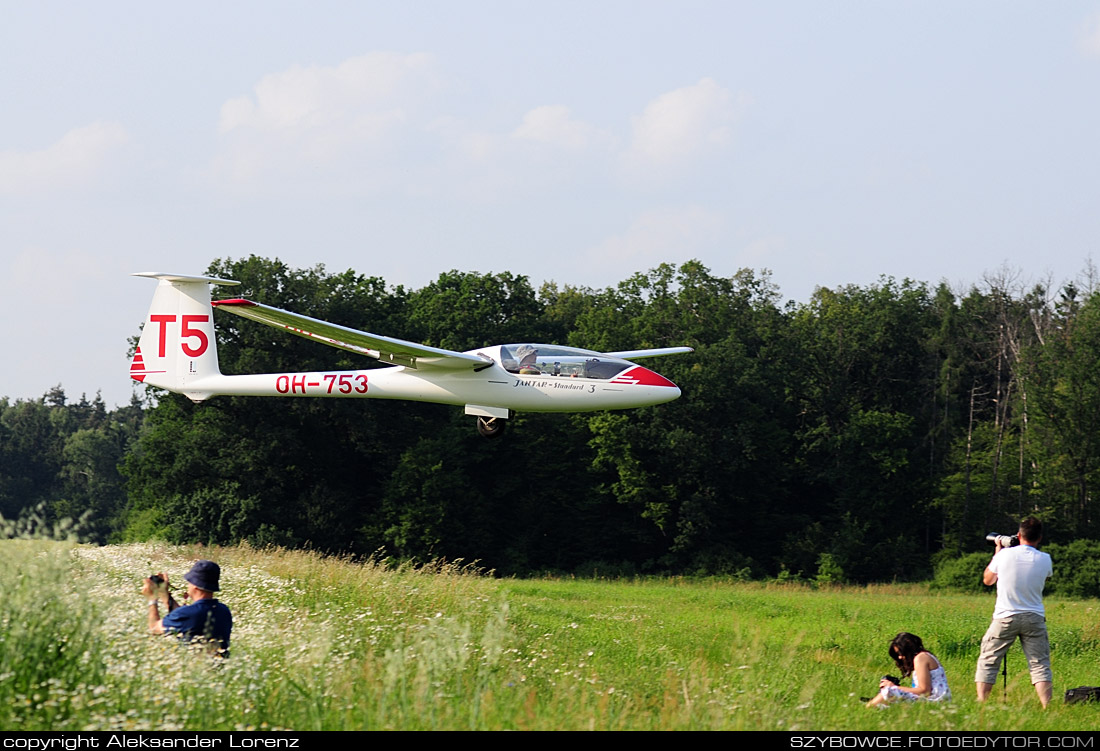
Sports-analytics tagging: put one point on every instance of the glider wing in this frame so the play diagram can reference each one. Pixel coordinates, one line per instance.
(659, 352)
(383, 348)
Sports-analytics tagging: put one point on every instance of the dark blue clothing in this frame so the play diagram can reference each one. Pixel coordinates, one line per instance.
(203, 618)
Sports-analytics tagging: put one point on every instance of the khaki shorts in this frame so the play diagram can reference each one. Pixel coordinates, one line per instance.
(1032, 630)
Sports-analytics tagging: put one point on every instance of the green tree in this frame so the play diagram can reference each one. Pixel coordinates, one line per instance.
(697, 469)
(290, 471)
(1061, 370)
(864, 394)
(463, 310)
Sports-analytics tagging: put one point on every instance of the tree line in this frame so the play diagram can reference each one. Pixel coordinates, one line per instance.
(863, 435)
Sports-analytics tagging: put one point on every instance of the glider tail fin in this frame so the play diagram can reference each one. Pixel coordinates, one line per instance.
(177, 350)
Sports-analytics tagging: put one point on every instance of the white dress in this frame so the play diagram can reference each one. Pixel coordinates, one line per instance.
(940, 691)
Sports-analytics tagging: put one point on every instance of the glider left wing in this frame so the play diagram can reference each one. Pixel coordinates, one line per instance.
(659, 352)
(383, 348)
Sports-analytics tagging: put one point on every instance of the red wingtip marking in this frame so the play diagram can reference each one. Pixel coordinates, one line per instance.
(235, 301)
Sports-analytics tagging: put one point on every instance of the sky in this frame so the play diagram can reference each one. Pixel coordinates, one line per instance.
(829, 143)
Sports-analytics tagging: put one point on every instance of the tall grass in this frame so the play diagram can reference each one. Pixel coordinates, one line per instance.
(326, 643)
(48, 650)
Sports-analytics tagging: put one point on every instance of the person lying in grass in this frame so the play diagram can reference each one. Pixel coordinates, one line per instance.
(929, 678)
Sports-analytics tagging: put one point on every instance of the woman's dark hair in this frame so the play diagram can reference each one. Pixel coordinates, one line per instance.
(903, 649)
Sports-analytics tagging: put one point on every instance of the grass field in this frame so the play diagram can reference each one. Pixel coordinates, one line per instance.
(323, 643)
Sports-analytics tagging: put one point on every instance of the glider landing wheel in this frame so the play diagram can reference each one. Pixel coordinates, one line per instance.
(491, 427)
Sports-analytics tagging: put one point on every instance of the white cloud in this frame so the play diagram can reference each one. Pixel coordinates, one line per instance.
(547, 131)
(372, 123)
(76, 160)
(668, 234)
(324, 121)
(681, 126)
(322, 96)
(1090, 36)
(548, 148)
(554, 126)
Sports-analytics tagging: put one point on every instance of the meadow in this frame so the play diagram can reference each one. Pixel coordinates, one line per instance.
(328, 643)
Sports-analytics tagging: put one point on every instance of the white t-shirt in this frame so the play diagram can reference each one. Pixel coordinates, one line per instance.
(1021, 573)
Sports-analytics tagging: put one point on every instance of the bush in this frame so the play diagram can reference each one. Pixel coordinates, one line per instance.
(829, 571)
(1076, 569)
(716, 561)
(963, 573)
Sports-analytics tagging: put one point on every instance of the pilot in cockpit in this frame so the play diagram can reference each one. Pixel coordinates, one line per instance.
(527, 356)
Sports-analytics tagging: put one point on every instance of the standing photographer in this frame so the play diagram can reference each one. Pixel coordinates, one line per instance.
(1020, 572)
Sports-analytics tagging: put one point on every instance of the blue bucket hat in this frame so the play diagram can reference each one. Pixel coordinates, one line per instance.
(204, 575)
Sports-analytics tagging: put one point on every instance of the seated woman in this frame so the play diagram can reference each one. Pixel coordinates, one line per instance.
(929, 678)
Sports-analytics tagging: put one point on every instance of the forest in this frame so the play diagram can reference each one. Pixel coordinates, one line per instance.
(868, 434)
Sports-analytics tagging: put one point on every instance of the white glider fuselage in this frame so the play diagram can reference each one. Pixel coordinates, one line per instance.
(493, 386)
(177, 352)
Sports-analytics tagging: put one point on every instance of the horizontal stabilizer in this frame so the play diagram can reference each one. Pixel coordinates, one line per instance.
(183, 278)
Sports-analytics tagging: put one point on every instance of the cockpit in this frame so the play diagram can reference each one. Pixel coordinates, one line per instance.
(554, 360)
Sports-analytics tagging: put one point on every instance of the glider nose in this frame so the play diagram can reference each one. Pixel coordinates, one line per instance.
(666, 390)
(664, 393)
(659, 388)
(646, 377)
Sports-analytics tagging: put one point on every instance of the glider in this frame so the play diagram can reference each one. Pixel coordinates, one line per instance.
(178, 352)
